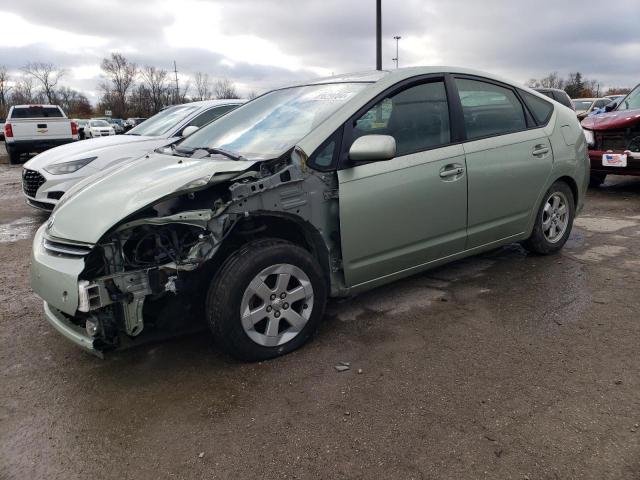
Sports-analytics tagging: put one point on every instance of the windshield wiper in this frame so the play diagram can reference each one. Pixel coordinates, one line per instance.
(222, 151)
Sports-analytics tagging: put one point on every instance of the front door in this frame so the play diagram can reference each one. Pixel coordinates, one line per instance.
(401, 214)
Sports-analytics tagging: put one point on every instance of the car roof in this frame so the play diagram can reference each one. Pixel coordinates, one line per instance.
(586, 99)
(393, 76)
(39, 105)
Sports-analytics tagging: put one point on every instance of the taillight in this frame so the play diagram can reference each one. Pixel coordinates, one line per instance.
(74, 128)
(8, 131)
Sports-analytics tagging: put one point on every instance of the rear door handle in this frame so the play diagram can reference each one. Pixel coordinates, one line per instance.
(451, 171)
(540, 150)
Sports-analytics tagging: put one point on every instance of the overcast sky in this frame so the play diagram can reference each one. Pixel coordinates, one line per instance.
(263, 43)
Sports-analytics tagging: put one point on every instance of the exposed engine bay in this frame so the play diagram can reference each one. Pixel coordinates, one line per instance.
(153, 269)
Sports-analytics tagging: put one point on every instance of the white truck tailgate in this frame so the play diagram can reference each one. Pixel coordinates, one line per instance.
(41, 128)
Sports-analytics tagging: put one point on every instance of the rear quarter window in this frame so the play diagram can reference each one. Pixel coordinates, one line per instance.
(540, 109)
(37, 112)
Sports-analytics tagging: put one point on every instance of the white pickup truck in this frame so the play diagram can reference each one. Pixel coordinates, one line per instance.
(36, 128)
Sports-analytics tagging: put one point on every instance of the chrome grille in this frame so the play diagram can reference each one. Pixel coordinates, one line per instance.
(31, 181)
(66, 247)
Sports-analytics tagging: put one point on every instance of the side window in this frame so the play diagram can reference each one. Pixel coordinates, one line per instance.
(323, 158)
(210, 115)
(540, 108)
(601, 103)
(418, 118)
(489, 109)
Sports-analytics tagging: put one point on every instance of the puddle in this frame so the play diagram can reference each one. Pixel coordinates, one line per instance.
(19, 229)
(596, 254)
(603, 224)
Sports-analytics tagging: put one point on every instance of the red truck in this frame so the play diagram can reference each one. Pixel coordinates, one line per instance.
(613, 138)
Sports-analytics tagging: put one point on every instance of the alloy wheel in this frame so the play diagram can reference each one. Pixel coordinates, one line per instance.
(276, 305)
(555, 217)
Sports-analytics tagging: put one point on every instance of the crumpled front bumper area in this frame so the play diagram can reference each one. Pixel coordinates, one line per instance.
(70, 331)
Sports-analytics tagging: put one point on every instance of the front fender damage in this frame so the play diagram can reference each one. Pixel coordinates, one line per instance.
(159, 254)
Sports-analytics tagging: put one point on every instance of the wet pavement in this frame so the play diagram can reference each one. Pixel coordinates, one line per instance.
(499, 366)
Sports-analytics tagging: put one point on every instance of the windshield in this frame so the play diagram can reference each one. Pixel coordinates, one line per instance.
(161, 123)
(271, 124)
(99, 123)
(631, 101)
(582, 104)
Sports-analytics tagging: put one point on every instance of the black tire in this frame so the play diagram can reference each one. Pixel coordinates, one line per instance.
(14, 157)
(224, 298)
(596, 179)
(538, 243)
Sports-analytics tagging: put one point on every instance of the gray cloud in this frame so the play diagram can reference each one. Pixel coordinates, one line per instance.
(517, 39)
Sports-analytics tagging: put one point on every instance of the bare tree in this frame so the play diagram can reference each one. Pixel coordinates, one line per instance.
(203, 86)
(225, 88)
(252, 94)
(183, 94)
(4, 91)
(155, 80)
(553, 80)
(23, 91)
(120, 74)
(48, 75)
(73, 102)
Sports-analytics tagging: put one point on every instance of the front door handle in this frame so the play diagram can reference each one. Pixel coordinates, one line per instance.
(451, 171)
(540, 150)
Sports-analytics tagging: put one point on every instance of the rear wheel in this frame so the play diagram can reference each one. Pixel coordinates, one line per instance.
(596, 179)
(554, 221)
(266, 300)
(14, 156)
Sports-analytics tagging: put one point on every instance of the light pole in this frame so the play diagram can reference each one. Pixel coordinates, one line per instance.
(378, 34)
(397, 37)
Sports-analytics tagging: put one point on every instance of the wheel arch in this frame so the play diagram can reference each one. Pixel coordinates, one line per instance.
(280, 225)
(573, 185)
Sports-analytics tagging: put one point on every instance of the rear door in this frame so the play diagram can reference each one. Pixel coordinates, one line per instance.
(400, 214)
(37, 122)
(509, 159)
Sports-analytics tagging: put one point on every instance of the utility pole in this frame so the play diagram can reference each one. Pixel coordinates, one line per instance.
(397, 37)
(175, 70)
(378, 34)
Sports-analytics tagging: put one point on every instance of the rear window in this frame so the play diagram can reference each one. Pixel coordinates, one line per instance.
(36, 112)
(541, 109)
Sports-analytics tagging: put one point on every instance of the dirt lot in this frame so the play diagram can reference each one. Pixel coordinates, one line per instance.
(501, 366)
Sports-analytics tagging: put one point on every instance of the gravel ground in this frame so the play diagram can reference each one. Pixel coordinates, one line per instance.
(501, 366)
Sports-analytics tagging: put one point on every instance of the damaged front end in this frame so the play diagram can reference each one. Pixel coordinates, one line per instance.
(150, 272)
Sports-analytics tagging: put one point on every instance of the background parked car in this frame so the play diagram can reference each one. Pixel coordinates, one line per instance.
(81, 123)
(98, 128)
(584, 106)
(118, 125)
(614, 139)
(51, 174)
(133, 122)
(557, 95)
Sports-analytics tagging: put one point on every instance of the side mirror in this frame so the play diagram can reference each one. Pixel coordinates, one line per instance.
(189, 130)
(373, 148)
(610, 106)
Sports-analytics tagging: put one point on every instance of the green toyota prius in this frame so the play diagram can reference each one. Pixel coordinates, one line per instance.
(315, 190)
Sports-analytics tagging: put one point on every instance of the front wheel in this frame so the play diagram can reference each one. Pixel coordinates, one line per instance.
(266, 300)
(554, 221)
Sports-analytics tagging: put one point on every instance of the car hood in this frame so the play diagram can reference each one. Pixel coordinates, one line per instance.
(87, 148)
(612, 120)
(98, 203)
